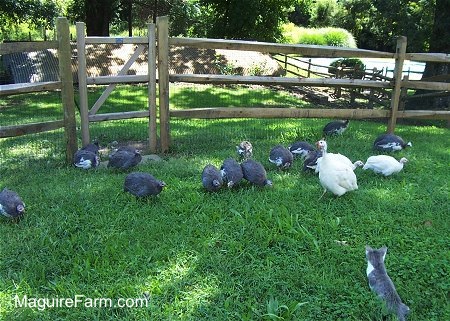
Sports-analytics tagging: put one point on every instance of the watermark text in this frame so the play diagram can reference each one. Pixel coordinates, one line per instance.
(78, 301)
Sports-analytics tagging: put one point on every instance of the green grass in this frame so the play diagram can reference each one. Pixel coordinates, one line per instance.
(243, 254)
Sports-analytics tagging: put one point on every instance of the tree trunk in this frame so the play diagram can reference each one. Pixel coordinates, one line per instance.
(439, 42)
(130, 17)
(98, 16)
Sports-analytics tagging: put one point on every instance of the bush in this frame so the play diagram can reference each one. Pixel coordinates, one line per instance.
(318, 36)
(352, 67)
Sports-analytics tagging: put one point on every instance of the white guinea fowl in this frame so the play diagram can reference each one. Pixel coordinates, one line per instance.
(338, 157)
(335, 175)
(384, 164)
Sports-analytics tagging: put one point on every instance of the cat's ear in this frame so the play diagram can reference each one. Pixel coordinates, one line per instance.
(383, 250)
(368, 249)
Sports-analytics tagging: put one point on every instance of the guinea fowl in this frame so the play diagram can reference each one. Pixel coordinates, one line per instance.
(142, 184)
(211, 178)
(384, 164)
(335, 175)
(310, 162)
(11, 205)
(125, 158)
(301, 149)
(255, 173)
(336, 127)
(281, 156)
(231, 172)
(338, 157)
(86, 158)
(245, 149)
(94, 147)
(389, 143)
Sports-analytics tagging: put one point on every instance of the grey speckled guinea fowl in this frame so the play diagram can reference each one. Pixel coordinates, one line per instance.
(390, 143)
(310, 162)
(94, 147)
(255, 173)
(211, 178)
(281, 156)
(142, 184)
(124, 158)
(231, 172)
(337, 127)
(11, 205)
(86, 159)
(301, 149)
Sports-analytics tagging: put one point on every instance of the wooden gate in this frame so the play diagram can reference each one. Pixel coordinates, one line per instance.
(89, 113)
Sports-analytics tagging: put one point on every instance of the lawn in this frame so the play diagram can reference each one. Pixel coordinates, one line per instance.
(244, 254)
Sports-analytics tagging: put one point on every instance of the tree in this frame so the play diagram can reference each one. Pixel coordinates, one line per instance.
(243, 19)
(439, 42)
(376, 24)
(39, 13)
(99, 14)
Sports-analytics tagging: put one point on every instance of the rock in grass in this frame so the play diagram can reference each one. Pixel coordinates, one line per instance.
(255, 173)
(142, 184)
(211, 178)
(231, 172)
(11, 205)
(124, 158)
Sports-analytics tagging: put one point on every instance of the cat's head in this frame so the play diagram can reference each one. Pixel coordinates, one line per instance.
(377, 255)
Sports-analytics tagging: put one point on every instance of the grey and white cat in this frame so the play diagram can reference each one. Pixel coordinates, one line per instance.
(381, 283)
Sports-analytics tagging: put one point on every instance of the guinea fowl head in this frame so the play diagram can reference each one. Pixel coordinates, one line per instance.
(322, 145)
(358, 164)
(20, 209)
(403, 160)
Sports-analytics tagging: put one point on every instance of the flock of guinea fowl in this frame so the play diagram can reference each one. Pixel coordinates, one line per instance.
(336, 171)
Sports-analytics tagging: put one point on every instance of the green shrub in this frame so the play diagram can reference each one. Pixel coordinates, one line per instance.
(351, 67)
(318, 36)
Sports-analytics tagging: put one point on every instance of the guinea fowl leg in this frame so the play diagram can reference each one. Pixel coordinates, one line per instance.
(324, 191)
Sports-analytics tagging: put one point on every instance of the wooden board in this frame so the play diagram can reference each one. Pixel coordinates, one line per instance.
(23, 88)
(19, 130)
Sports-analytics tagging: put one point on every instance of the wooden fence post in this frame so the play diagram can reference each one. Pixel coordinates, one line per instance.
(152, 138)
(162, 25)
(403, 95)
(396, 91)
(65, 74)
(82, 83)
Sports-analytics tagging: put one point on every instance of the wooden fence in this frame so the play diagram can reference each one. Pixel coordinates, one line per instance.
(65, 84)
(159, 34)
(395, 85)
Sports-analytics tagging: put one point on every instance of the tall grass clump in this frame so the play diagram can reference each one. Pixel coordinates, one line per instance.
(318, 36)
